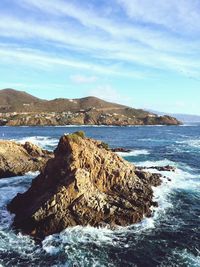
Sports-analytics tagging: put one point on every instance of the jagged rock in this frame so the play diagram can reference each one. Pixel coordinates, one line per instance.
(18, 159)
(120, 149)
(84, 184)
(166, 168)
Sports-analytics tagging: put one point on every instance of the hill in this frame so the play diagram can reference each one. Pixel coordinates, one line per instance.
(20, 108)
(185, 118)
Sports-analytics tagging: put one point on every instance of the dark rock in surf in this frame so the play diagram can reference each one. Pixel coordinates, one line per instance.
(120, 149)
(166, 168)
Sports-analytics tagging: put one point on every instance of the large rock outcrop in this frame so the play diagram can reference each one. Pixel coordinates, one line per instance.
(84, 184)
(17, 159)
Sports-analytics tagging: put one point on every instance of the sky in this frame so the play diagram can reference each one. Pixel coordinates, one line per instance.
(142, 53)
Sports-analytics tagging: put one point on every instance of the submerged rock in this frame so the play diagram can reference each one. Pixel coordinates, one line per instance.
(84, 184)
(120, 149)
(166, 168)
(18, 159)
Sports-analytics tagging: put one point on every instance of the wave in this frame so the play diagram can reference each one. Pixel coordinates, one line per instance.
(186, 257)
(89, 246)
(79, 235)
(159, 163)
(195, 143)
(41, 141)
(9, 187)
(134, 153)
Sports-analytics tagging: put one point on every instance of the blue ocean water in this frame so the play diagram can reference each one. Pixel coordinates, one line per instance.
(170, 238)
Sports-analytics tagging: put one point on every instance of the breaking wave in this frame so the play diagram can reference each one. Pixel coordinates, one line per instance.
(42, 141)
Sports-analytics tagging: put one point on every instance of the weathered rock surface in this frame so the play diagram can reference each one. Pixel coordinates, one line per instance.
(17, 159)
(84, 184)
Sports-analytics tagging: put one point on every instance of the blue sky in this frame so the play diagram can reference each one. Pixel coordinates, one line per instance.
(143, 53)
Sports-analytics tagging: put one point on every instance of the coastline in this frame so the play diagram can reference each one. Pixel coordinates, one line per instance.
(167, 224)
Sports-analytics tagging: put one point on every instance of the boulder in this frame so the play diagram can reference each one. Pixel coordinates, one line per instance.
(18, 159)
(84, 184)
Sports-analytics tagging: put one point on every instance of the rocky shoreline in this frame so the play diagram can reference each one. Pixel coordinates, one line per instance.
(21, 109)
(84, 184)
(93, 117)
(17, 159)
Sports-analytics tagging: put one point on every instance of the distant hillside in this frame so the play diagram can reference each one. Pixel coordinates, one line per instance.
(181, 117)
(17, 101)
(61, 111)
(187, 118)
(12, 100)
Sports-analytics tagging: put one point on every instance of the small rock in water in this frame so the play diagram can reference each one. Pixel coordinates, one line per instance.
(166, 168)
(120, 149)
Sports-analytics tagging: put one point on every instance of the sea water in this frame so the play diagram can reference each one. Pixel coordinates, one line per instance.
(170, 238)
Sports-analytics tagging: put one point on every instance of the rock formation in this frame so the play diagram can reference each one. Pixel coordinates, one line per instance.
(84, 184)
(17, 159)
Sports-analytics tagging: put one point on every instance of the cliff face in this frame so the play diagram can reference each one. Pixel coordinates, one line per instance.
(84, 184)
(20, 108)
(17, 159)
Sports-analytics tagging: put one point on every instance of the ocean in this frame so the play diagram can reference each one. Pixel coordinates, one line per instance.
(171, 237)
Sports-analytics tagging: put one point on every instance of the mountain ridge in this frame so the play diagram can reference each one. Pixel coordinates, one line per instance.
(21, 108)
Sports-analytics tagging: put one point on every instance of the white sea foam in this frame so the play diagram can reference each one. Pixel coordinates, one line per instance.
(67, 241)
(70, 237)
(181, 179)
(9, 187)
(163, 162)
(134, 153)
(187, 257)
(195, 143)
(42, 141)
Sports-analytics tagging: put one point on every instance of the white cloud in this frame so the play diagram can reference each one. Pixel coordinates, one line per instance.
(90, 19)
(107, 44)
(174, 15)
(34, 57)
(81, 79)
(122, 51)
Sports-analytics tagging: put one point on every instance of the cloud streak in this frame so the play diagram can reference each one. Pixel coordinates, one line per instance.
(113, 44)
(173, 15)
(82, 79)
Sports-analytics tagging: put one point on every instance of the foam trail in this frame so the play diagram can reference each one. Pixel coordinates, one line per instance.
(195, 143)
(159, 163)
(134, 153)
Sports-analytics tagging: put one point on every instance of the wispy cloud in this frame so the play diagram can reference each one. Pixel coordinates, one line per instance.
(38, 59)
(82, 79)
(120, 29)
(181, 16)
(104, 43)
